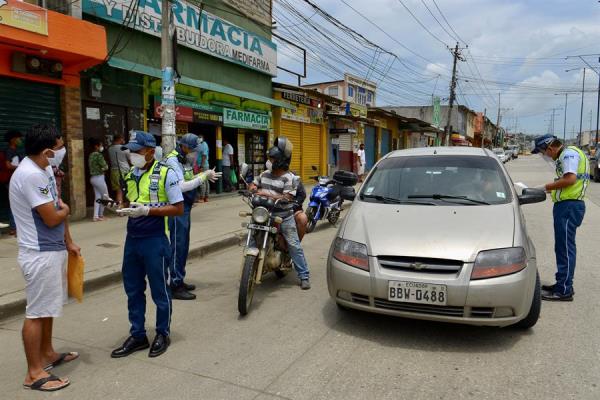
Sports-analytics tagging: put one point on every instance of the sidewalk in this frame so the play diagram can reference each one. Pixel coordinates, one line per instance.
(215, 225)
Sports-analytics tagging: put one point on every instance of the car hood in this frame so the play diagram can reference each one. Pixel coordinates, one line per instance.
(449, 232)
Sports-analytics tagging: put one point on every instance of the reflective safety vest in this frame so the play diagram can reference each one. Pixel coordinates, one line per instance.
(188, 174)
(150, 188)
(577, 190)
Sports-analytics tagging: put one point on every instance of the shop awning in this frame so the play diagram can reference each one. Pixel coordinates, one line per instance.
(151, 71)
(77, 44)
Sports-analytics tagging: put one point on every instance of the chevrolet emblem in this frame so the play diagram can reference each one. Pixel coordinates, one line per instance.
(418, 266)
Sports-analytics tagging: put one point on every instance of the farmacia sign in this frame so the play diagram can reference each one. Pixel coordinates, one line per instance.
(206, 33)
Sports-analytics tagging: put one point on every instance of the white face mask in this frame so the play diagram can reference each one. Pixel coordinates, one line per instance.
(59, 155)
(269, 165)
(158, 153)
(101, 149)
(191, 157)
(137, 160)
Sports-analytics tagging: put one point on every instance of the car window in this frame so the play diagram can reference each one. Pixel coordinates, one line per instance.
(404, 178)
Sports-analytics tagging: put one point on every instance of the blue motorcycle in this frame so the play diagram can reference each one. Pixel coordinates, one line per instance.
(328, 196)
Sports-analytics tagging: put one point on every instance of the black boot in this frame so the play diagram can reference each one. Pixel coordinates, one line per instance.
(179, 293)
(159, 345)
(130, 346)
(189, 286)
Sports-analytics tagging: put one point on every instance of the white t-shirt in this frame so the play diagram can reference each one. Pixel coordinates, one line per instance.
(361, 154)
(31, 186)
(227, 151)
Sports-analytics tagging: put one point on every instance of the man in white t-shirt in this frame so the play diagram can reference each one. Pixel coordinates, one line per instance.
(361, 159)
(227, 164)
(43, 237)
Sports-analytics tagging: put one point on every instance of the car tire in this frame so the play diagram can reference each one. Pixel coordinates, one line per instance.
(534, 311)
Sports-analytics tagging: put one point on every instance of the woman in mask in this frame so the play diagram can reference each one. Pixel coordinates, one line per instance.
(55, 163)
(97, 165)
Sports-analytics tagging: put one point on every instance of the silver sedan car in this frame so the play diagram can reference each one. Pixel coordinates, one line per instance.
(438, 234)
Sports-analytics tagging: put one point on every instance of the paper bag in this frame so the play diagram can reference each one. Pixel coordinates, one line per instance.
(75, 277)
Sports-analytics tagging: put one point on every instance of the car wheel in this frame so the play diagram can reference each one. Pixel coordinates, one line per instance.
(534, 311)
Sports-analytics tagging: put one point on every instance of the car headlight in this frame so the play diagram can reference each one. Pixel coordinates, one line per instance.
(351, 253)
(499, 262)
(260, 215)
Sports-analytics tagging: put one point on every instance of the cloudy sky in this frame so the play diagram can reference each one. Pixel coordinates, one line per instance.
(515, 48)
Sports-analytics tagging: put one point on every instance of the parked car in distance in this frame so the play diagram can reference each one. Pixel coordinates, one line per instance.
(512, 151)
(418, 241)
(501, 154)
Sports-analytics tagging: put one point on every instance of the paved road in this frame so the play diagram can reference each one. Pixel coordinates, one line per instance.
(297, 345)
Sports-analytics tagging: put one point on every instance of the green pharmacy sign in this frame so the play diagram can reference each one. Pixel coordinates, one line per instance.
(245, 119)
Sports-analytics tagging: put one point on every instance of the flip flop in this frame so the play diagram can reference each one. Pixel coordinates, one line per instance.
(38, 385)
(61, 360)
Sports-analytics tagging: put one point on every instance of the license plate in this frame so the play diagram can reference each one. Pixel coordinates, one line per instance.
(417, 292)
(259, 227)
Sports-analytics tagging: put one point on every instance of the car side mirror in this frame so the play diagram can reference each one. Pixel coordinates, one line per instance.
(530, 196)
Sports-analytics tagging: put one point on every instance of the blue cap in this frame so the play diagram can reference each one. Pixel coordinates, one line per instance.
(542, 143)
(190, 140)
(140, 139)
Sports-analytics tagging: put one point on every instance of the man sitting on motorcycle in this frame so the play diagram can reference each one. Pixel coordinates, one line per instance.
(280, 184)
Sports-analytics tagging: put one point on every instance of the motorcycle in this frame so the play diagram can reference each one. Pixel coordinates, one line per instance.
(271, 252)
(328, 196)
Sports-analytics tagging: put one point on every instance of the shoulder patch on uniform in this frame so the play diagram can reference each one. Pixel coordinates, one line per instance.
(44, 190)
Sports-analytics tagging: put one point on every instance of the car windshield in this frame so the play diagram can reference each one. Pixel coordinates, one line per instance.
(443, 180)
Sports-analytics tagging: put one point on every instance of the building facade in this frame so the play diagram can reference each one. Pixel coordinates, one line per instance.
(42, 53)
(226, 62)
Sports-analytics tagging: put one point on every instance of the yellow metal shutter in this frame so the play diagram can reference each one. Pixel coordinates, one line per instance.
(311, 150)
(291, 130)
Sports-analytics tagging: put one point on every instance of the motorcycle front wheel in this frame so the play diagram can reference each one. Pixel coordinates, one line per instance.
(247, 284)
(310, 213)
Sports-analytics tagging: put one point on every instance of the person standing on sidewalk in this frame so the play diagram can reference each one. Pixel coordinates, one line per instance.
(44, 239)
(153, 193)
(202, 163)
(227, 165)
(13, 156)
(361, 159)
(568, 192)
(98, 166)
(119, 166)
(181, 160)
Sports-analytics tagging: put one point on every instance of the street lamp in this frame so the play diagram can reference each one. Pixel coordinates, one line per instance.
(582, 95)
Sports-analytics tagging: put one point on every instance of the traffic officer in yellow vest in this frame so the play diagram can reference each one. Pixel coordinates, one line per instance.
(153, 193)
(568, 192)
(181, 161)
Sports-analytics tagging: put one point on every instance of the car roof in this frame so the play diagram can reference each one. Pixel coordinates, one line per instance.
(442, 151)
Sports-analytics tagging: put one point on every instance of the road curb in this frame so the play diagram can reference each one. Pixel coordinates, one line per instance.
(113, 275)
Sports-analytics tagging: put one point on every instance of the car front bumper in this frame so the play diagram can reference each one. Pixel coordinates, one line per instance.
(498, 301)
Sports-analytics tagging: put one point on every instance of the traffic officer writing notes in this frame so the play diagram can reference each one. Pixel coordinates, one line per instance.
(568, 192)
(181, 160)
(153, 193)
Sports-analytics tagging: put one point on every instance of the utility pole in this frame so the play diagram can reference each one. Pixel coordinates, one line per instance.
(483, 129)
(168, 80)
(457, 56)
(497, 122)
(598, 109)
(581, 116)
(565, 123)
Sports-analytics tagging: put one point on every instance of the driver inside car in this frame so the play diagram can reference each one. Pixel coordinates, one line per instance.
(279, 183)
